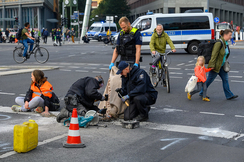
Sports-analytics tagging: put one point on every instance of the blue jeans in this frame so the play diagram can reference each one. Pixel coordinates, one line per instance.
(232, 41)
(25, 43)
(224, 76)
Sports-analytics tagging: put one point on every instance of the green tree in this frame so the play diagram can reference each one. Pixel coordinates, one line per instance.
(111, 8)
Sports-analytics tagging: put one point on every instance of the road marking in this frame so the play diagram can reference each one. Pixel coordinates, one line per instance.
(237, 81)
(190, 65)
(175, 68)
(239, 116)
(234, 71)
(174, 77)
(90, 68)
(82, 71)
(64, 70)
(213, 132)
(5, 93)
(94, 64)
(4, 68)
(180, 64)
(171, 110)
(19, 71)
(99, 72)
(106, 64)
(218, 80)
(235, 77)
(191, 61)
(39, 144)
(211, 113)
(190, 69)
(175, 73)
(22, 94)
(71, 55)
(6, 117)
(175, 140)
(74, 67)
(103, 68)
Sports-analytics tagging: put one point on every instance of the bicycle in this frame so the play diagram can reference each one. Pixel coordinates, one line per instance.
(161, 72)
(41, 53)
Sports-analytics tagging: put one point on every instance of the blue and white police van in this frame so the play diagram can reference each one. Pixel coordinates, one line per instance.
(98, 30)
(186, 30)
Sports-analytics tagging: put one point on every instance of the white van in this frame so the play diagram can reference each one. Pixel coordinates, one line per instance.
(223, 26)
(186, 30)
(98, 30)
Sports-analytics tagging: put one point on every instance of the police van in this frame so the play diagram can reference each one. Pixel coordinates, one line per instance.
(186, 30)
(98, 30)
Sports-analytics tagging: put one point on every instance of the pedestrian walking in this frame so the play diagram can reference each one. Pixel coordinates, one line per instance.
(58, 36)
(73, 35)
(68, 35)
(45, 36)
(7, 33)
(200, 73)
(1, 36)
(232, 38)
(218, 63)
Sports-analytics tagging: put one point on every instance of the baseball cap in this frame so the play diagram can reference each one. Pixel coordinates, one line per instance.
(122, 66)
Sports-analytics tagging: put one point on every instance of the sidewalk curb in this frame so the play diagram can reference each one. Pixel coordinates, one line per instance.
(30, 67)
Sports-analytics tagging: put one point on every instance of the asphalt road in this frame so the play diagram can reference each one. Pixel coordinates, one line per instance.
(178, 130)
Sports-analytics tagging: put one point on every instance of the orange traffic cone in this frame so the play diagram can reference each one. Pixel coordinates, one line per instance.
(73, 140)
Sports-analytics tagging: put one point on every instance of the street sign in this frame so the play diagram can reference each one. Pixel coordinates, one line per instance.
(76, 23)
(72, 17)
(81, 13)
(109, 19)
(80, 22)
(216, 19)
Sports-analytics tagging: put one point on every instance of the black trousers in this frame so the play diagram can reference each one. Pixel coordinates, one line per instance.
(81, 110)
(45, 39)
(138, 106)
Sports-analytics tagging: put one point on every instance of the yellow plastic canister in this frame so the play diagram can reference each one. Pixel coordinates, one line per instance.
(25, 136)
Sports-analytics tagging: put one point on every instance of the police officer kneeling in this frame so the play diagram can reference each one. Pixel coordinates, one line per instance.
(136, 87)
(82, 95)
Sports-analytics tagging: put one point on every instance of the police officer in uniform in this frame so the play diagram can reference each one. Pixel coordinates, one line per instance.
(82, 95)
(128, 44)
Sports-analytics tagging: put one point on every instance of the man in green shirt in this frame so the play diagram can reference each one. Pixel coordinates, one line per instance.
(26, 38)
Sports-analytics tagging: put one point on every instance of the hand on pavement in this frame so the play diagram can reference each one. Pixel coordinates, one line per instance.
(27, 105)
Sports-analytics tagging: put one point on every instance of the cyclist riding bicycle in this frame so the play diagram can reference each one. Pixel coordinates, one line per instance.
(26, 38)
(158, 44)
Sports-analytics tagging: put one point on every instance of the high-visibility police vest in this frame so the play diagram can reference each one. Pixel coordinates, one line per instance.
(127, 46)
(46, 90)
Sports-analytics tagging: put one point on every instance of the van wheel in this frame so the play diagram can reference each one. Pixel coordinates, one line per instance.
(193, 48)
(186, 50)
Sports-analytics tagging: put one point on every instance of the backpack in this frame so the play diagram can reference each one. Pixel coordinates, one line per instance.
(205, 49)
(19, 34)
(54, 103)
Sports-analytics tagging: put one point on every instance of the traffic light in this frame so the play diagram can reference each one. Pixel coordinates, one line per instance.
(62, 22)
(66, 21)
(16, 19)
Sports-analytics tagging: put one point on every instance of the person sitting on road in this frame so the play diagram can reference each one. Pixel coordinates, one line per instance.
(82, 95)
(138, 89)
(37, 97)
(200, 72)
(86, 39)
(158, 44)
(26, 38)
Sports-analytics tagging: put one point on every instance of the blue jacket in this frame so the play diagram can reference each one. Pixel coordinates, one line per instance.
(140, 83)
(58, 34)
(45, 33)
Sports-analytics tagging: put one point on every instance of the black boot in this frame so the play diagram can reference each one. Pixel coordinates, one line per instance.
(64, 113)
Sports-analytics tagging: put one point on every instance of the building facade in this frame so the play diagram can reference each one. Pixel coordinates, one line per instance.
(226, 10)
(95, 3)
(39, 13)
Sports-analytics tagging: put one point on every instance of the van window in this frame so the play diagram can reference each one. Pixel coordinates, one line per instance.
(94, 28)
(112, 28)
(170, 23)
(198, 22)
(144, 24)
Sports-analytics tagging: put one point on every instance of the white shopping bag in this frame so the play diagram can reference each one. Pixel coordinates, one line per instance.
(191, 84)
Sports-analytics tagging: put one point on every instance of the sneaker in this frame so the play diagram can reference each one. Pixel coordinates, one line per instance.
(16, 108)
(140, 118)
(189, 96)
(233, 97)
(206, 96)
(164, 83)
(24, 58)
(38, 110)
(206, 99)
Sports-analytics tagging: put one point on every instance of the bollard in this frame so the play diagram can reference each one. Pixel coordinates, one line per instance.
(241, 34)
(217, 35)
(236, 36)
(25, 136)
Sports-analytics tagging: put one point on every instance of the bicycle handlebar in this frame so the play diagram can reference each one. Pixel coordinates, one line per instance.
(164, 53)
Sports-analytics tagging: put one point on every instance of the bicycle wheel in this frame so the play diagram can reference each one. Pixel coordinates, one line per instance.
(41, 55)
(167, 79)
(154, 77)
(18, 55)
